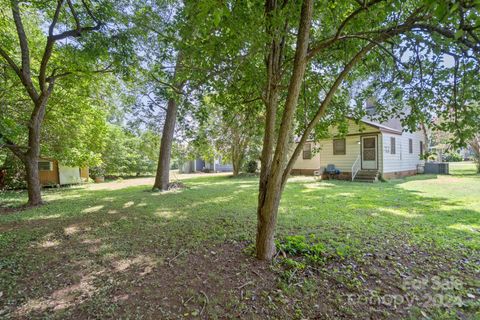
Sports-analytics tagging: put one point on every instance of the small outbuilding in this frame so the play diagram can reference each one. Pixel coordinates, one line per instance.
(201, 165)
(54, 173)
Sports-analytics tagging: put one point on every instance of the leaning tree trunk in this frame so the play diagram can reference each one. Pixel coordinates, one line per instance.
(163, 169)
(162, 177)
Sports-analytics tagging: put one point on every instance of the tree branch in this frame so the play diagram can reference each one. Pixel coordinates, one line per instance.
(76, 33)
(16, 150)
(331, 40)
(22, 37)
(448, 34)
(10, 62)
(326, 101)
(47, 53)
(171, 86)
(89, 12)
(74, 14)
(25, 51)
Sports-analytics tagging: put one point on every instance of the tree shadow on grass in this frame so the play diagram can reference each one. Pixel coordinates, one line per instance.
(104, 253)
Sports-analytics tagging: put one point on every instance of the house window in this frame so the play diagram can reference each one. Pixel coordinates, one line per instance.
(421, 147)
(410, 145)
(339, 147)
(307, 151)
(392, 145)
(45, 166)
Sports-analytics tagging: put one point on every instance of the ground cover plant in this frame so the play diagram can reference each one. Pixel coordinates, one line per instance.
(346, 250)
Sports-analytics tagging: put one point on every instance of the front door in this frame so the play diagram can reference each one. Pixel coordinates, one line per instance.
(369, 152)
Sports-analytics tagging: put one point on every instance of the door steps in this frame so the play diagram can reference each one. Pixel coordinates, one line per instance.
(367, 176)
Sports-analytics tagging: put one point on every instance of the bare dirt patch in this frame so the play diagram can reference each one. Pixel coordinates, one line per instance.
(223, 281)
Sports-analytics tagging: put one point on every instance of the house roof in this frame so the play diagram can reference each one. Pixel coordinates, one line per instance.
(382, 127)
(389, 127)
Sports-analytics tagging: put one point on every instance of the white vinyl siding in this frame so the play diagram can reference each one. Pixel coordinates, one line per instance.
(323, 157)
(312, 163)
(402, 160)
(342, 162)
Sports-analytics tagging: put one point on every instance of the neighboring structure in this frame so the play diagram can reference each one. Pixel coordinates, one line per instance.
(53, 173)
(368, 150)
(200, 165)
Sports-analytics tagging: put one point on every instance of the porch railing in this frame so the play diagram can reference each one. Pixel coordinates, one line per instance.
(356, 167)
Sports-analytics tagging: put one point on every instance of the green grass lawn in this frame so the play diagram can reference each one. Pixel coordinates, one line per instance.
(132, 253)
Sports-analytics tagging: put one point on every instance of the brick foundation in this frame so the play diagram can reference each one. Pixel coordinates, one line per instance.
(399, 174)
(302, 172)
(309, 172)
(341, 176)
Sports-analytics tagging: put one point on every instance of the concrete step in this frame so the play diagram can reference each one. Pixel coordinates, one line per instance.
(367, 176)
(365, 180)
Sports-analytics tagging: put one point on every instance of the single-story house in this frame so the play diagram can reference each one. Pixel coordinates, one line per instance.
(368, 150)
(54, 173)
(201, 165)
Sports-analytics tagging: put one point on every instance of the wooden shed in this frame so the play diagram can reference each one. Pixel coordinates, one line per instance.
(54, 173)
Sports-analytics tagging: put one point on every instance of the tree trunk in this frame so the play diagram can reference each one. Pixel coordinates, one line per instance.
(33, 181)
(267, 211)
(31, 156)
(237, 157)
(271, 177)
(475, 145)
(236, 169)
(162, 177)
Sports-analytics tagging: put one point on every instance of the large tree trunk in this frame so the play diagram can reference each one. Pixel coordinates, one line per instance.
(163, 169)
(162, 177)
(32, 155)
(33, 181)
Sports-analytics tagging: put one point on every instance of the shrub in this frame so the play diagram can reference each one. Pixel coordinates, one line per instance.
(13, 174)
(98, 171)
(453, 157)
(251, 166)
